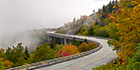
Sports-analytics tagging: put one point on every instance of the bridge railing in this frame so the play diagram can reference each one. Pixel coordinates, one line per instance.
(55, 61)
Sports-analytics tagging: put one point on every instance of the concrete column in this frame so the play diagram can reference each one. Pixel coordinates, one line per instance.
(65, 41)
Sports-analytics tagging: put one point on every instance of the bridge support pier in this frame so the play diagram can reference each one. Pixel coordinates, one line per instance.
(65, 41)
(57, 40)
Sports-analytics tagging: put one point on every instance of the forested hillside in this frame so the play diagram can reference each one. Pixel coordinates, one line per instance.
(76, 25)
(119, 20)
(94, 24)
(124, 29)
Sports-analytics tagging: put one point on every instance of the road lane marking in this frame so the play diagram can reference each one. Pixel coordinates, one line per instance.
(90, 60)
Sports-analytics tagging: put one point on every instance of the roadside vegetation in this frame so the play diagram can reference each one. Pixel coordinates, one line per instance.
(119, 20)
(125, 31)
(96, 24)
(19, 55)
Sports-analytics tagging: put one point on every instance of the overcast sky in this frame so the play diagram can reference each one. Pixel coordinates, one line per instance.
(19, 15)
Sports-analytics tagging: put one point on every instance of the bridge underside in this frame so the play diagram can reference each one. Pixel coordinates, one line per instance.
(62, 40)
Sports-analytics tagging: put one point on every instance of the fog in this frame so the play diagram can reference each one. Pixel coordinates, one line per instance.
(21, 15)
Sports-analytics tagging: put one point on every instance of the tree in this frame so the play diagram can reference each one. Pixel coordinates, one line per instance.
(91, 31)
(94, 11)
(61, 54)
(96, 22)
(67, 50)
(104, 8)
(2, 53)
(26, 53)
(99, 10)
(71, 49)
(58, 47)
(5, 64)
(74, 19)
(85, 40)
(110, 7)
(92, 45)
(1, 64)
(43, 52)
(52, 45)
(16, 55)
(101, 32)
(127, 26)
(84, 47)
(75, 43)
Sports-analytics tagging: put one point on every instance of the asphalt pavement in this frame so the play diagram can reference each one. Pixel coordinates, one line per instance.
(101, 57)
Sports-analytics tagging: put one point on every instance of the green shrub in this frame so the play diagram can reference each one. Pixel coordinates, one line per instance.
(92, 45)
(101, 32)
(43, 52)
(84, 47)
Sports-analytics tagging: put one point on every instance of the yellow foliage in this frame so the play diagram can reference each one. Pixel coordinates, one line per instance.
(1, 59)
(25, 63)
(128, 26)
(117, 24)
(114, 6)
(112, 17)
(139, 5)
(6, 63)
(134, 3)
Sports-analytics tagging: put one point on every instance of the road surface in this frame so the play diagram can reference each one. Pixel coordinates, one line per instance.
(101, 57)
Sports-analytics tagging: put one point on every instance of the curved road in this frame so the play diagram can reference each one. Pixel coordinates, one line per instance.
(101, 57)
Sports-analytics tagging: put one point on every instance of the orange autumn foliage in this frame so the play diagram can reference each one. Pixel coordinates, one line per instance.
(6, 63)
(71, 49)
(67, 50)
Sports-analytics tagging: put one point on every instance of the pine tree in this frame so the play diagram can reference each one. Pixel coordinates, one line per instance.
(85, 40)
(26, 53)
(91, 31)
(53, 45)
(104, 8)
(16, 55)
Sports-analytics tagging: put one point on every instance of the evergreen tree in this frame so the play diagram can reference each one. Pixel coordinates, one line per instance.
(104, 8)
(85, 40)
(110, 6)
(94, 11)
(26, 53)
(75, 43)
(99, 10)
(91, 31)
(52, 45)
(74, 19)
(16, 55)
